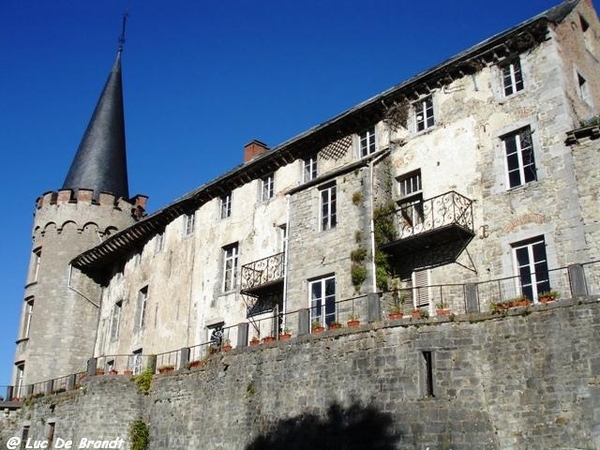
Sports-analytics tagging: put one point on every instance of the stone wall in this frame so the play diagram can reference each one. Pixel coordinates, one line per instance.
(525, 379)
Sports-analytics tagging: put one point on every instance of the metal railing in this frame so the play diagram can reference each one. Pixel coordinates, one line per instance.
(450, 208)
(262, 271)
(572, 281)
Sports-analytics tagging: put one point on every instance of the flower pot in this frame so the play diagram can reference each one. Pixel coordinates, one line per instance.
(113, 372)
(226, 347)
(335, 326)
(254, 342)
(193, 364)
(268, 339)
(318, 329)
(164, 370)
(547, 299)
(395, 315)
(284, 336)
(442, 312)
(353, 323)
(416, 314)
(99, 372)
(128, 372)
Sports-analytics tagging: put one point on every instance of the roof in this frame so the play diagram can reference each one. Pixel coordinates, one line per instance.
(100, 162)
(526, 35)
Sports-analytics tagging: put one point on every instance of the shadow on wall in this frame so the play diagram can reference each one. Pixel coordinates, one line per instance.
(353, 428)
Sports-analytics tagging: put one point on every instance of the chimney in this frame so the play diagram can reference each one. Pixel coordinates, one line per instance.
(253, 149)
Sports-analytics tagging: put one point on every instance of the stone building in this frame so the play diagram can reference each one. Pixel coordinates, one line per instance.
(483, 168)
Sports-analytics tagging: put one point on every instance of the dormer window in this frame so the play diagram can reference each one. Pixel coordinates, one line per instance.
(512, 77)
(424, 117)
(368, 143)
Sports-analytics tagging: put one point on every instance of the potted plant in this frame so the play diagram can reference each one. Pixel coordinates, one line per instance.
(353, 320)
(548, 296)
(255, 340)
(113, 372)
(285, 334)
(99, 371)
(166, 369)
(212, 349)
(520, 300)
(334, 325)
(226, 346)
(397, 305)
(268, 339)
(442, 308)
(194, 363)
(317, 327)
(128, 372)
(416, 313)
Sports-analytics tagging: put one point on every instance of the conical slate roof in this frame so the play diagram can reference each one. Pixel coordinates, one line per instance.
(101, 163)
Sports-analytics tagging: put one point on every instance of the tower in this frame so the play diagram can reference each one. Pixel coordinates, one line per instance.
(60, 309)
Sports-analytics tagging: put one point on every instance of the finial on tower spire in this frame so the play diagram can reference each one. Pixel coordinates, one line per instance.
(122, 36)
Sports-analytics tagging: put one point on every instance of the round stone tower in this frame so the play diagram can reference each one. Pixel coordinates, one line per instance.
(60, 309)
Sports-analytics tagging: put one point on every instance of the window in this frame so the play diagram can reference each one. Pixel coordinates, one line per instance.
(188, 227)
(19, 380)
(588, 37)
(116, 321)
(137, 363)
(159, 244)
(328, 207)
(226, 206)
(424, 114)
(310, 168)
(512, 77)
(34, 268)
(322, 300)
(266, 188)
(410, 184)
(27, 315)
(142, 304)
(583, 89)
(230, 263)
(367, 142)
(532, 267)
(519, 157)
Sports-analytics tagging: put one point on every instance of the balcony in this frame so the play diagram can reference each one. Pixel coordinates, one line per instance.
(263, 277)
(428, 233)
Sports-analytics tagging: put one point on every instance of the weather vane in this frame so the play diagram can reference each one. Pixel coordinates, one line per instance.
(122, 37)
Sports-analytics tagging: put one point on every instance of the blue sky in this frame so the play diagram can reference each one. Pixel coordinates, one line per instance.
(201, 79)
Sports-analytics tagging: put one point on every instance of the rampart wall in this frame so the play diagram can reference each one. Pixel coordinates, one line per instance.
(527, 378)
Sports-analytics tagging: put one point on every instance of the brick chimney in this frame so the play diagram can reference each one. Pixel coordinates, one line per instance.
(253, 149)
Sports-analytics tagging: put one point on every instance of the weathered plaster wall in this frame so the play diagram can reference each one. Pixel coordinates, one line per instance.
(528, 380)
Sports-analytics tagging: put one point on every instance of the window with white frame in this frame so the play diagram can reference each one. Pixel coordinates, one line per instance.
(188, 226)
(27, 315)
(424, 117)
(226, 206)
(142, 306)
(328, 207)
(512, 77)
(115, 324)
(520, 161)
(137, 363)
(322, 300)
(230, 265)
(159, 243)
(310, 168)
(34, 266)
(19, 379)
(410, 184)
(532, 267)
(267, 188)
(368, 143)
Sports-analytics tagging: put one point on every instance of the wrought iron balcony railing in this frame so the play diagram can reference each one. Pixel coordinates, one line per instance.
(263, 272)
(448, 209)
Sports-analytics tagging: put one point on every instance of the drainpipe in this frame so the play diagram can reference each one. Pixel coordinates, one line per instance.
(285, 257)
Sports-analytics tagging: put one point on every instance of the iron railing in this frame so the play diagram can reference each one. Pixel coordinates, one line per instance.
(450, 208)
(263, 271)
